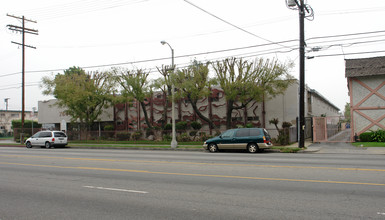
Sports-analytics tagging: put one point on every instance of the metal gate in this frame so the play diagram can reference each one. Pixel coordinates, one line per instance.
(330, 129)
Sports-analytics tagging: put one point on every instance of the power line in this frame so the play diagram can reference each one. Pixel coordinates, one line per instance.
(345, 35)
(78, 7)
(291, 48)
(231, 24)
(344, 54)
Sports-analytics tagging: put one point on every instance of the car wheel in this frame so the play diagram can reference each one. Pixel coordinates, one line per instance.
(28, 144)
(47, 145)
(213, 148)
(252, 148)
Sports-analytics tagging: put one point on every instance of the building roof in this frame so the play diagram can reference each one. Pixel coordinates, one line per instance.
(365, 67)
(314, 92)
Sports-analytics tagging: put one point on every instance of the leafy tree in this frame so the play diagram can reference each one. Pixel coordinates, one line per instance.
(245, 81)
(135, 85)
(347, 112)
(194, 84)
(237, 78)
(82, 95)
(164, 84)
(273, 79)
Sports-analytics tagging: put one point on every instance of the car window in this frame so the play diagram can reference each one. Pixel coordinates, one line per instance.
(59, 134)
(45, 134)
(36, 135)
(243, 133)
(228, 134)
(255, 132)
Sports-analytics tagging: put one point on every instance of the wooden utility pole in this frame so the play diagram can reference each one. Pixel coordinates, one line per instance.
(23, 30)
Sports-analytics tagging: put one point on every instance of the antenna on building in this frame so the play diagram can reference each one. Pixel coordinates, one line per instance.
(6, 103)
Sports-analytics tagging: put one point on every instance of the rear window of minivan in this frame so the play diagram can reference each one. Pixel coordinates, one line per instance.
(59, 134)
(255, 132)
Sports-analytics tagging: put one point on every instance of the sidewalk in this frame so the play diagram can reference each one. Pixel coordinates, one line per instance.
(343, 148)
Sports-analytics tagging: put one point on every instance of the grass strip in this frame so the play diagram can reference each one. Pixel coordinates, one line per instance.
(369, 144)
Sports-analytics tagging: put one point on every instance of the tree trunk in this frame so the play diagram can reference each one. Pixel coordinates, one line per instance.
(145, 115)
(229, 111)
(263, 112)
(165, 108)
(196, 110)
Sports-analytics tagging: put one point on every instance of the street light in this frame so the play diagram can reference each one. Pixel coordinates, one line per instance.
(174, 143)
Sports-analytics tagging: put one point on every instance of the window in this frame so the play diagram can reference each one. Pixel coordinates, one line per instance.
(255, 118)
(243, 133)
(228, 134)
(255, 132)
(59, 134)
(236, 118)
(15, 115)
(45, 134)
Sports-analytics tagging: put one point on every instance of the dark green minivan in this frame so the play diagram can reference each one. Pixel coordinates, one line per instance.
(250, 139)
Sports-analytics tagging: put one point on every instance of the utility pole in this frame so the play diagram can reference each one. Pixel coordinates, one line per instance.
(23, 30)
(303, 9)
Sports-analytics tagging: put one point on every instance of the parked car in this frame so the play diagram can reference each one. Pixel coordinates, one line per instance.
(250, 139)
(47, 139)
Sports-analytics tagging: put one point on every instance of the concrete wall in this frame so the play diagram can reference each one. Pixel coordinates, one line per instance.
(50, 113)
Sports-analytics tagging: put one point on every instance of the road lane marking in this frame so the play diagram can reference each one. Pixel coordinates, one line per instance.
(197, 175)
(115, 189)
(195, 163)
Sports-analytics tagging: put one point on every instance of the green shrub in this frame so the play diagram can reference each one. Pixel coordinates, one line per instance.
(182, 125)
(184, 137)
(366, 137)
(136, 135)
(123, 136)
(286, 124)
(249, 125)
(167, 137)
(193, 134)
(196, 125)
(167, 127)
(378, 136)
(109, 127)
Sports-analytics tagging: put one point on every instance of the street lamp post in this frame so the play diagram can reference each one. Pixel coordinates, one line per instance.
(174, 143)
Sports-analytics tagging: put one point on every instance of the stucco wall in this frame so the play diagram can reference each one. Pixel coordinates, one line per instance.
(49, 113)
(373, 107)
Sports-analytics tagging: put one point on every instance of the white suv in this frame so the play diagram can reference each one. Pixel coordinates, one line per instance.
(47, 139)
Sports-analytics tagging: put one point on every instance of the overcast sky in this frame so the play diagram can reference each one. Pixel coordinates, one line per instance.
(97, 34)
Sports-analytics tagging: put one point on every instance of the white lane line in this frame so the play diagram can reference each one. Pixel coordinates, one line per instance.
(115, 189)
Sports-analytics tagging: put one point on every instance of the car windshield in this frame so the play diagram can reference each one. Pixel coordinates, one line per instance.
(228, 134)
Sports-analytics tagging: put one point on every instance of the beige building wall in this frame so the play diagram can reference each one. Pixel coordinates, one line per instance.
(50, 113)
(6, 118)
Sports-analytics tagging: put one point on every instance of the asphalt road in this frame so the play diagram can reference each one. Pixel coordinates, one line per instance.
(131, 184)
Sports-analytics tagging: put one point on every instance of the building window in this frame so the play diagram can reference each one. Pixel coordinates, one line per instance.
(236, 118)
(15, 115)
(255, 118)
